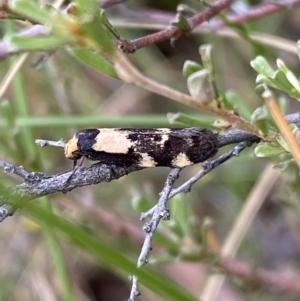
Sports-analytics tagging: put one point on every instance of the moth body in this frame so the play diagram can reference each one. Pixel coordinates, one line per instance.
(143, 147)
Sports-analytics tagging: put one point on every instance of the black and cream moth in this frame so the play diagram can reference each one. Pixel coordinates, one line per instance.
(143, 147)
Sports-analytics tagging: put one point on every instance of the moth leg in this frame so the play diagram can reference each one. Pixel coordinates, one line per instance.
(77, 164)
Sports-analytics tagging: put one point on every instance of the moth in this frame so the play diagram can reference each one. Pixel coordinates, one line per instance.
(143, 148)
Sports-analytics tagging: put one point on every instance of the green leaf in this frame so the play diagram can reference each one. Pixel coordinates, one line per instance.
(282, 79)
(283, 84)
(95, 61)
(181, 22)
(289, 75)
(239, 104)
(93, 23)
(190, 67)
(283, 165)
(227, 104)
(210, 87)
(281, 141)
(260, 118)
(264, 80)
(109, 26)
(205, 52)
(261, 66)
(20, 43)
(268, 150)
(203, 121)
(96, 30)
(30, 10)
(199, 85)
(280, 82)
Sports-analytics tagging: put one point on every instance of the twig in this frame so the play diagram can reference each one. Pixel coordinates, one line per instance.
(207, 167)
(259, 11)
(38, 184)
(235, 136)
(134, 290)
(173, 32)
(17, 170)
(160, 212)
(166, 34)
(60, 143)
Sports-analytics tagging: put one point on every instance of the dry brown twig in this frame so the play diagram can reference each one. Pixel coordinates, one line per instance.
(254, 13)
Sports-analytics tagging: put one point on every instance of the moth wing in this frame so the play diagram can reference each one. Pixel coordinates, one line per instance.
(186, 132)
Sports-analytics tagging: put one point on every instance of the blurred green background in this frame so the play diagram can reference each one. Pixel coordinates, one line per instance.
(62, 96)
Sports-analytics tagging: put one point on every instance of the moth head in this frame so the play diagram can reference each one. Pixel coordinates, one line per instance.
(71, 149)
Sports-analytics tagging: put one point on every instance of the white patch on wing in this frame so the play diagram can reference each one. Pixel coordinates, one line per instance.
(164, 137)
(112, 141)
(146, 161)
(181, 160)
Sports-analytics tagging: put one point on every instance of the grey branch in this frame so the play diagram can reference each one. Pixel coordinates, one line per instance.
(235, 136)
(134, 290)
(38, 184)
(17, 170)
(160, 212)
(60, 143)
(207, 167)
